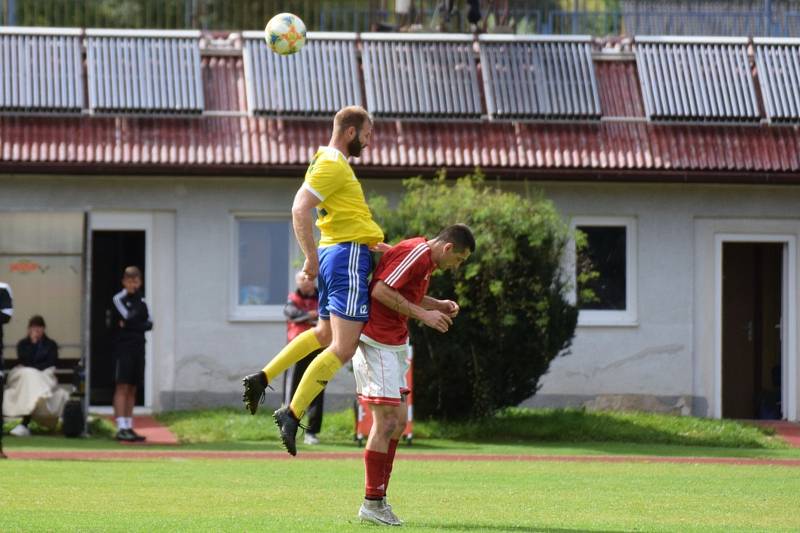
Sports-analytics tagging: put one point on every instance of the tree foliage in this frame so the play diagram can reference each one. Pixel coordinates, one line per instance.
(515, 316)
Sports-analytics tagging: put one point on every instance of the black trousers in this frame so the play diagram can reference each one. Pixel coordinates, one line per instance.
(2, 388)
(290, 382)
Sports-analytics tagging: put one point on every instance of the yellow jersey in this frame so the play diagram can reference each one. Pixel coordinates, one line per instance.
(342, 214)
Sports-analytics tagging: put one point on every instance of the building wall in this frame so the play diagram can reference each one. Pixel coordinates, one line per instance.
(200, 353)
(669, 354)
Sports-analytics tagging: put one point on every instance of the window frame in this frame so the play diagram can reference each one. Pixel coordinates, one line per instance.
(628, 317)
(257, 313)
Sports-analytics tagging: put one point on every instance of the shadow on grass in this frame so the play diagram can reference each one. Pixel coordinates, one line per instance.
(500, 527)
(583, 428)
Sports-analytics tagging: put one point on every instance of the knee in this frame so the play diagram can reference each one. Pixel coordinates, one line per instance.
(391, 424)
(344, 351)
(323, 335)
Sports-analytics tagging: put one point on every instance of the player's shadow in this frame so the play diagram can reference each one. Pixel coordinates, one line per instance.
(512, 528)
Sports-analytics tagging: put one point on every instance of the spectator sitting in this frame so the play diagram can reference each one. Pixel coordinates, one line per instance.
(32, 390)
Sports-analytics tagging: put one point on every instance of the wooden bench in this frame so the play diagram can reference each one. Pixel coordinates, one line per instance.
(65, 370)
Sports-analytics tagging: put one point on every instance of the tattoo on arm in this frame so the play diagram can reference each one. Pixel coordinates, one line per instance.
(395, 301)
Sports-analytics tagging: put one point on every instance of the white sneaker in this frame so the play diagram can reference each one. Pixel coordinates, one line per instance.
(389, 508)
(377, 512)
(20, 431)
(311, 439)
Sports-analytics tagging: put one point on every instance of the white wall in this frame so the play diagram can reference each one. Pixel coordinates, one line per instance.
(203, 361)
(199, 353)
(659, 356)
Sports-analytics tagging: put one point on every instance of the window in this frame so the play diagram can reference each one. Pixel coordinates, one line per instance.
(263, 256)
(605, 271)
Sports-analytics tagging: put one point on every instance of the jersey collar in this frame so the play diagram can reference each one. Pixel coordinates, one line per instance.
(334, 149)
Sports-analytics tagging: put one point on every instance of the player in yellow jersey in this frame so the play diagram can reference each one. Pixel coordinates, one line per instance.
(342, 264)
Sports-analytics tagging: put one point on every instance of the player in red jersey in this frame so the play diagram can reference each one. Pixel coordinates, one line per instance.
(397, 292)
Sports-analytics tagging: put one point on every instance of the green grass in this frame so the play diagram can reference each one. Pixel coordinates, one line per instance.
(577, 425)
(511, 426)
(524, 432)
(234, 425)
(323, 495)
(427, 446)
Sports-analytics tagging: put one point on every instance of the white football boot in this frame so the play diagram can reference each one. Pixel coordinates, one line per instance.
(377, 512)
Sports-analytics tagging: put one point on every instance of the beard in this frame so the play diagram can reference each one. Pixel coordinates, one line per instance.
(354, 147)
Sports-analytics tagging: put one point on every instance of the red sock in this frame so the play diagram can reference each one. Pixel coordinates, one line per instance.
(389, 463)
(375, 468)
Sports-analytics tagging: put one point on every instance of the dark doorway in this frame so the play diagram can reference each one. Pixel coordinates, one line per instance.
(112, 251)
(751, 330)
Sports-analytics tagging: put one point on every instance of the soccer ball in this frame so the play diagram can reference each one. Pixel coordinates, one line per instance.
(285, 34)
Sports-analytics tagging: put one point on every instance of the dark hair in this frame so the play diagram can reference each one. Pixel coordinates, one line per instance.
(132, 272)
(36, 320)
(460, 235)
(353, 115)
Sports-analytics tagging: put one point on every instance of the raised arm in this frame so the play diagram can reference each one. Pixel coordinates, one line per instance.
(394, 300)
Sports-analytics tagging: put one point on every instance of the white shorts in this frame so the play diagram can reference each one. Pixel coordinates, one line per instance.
(381, 373)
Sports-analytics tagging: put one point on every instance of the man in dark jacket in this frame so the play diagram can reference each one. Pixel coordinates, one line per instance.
(6, 312)
(133, 320)
(37, 351)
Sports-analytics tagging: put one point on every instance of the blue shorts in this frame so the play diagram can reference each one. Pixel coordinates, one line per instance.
(343, 283)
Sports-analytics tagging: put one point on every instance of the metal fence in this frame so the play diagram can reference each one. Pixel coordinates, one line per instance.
(664, 23)
(180, 14)
(772, 18)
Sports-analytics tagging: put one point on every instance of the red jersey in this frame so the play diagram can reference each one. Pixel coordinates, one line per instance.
(406, 268)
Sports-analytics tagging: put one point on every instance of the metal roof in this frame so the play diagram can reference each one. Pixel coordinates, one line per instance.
(420, 75)
(231, 146)
(535, 77)
(41, 70)
(696, 79)
(778, 62)
(236, 145)
(321, 79)
(144, 71)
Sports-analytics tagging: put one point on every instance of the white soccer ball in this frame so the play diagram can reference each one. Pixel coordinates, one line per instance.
(285, 34)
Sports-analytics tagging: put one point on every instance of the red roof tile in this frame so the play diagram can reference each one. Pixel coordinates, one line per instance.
(264, 145)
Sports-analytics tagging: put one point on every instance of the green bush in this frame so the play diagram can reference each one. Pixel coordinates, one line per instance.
(515, 316)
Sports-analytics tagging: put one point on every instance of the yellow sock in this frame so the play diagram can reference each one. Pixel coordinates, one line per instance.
(301, 346)
(317, 375)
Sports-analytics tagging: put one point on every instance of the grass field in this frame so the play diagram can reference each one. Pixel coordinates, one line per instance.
(323, 495)
(308, 494)
(507, 427)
